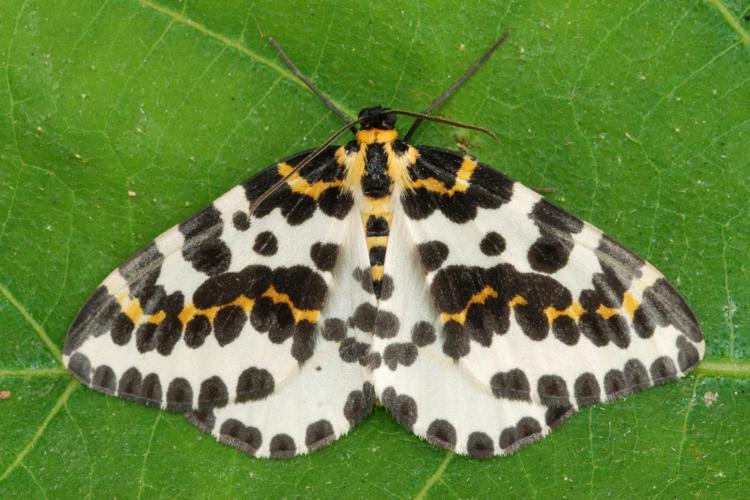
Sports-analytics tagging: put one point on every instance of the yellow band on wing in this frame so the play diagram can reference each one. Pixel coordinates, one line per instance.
(131, 307)
(461, 184)
(300, 185)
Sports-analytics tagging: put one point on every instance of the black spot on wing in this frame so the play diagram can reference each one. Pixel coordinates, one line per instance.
(179, 395)
(303, 341)
(587, 389)
(513, 385)
(525, 429)
(246, 438)
(170, 328)
(203, 419)
(353, 351)
(122, 329)
(304, 287)
(480, 445)
(550, 252)
(442, 434)
(556, 415)
(129, 386)
(386, 288)
(213, 393)
(104, 379)
(145, 337)
(241, 221)
(423, 334)
(324, 255)
(359, 404)
(485, 294)
(399, 353)
(364, 317)
(266, 244)
(552, 390)
(203, 246)
(538, 291)
(663, 369)
(197, 330)
(492, 244)
(282, 446)
(151, 392)
(432, 254)
(80, 365)
(319, 434)
(615, 385)
(386, 324)
(636, 375)
(401, 406)
(601, 331)
(228, 324)
(456, 343)
(254, 384)
(334, 329)
(566, 330)
(335, 202)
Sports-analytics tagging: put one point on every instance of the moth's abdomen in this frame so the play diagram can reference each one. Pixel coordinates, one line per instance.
(377, 223)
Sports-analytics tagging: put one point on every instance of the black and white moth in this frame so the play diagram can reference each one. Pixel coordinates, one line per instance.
(478, 313)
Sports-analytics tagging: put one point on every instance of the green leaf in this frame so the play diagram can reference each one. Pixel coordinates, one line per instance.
(637, 115)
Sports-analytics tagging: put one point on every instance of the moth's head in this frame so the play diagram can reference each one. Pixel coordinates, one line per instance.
(377, 118)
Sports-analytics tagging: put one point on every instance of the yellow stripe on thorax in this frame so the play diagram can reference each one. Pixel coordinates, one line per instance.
(376, 135)
(398, 165)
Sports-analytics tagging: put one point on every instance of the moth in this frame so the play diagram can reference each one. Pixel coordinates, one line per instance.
(478, 313)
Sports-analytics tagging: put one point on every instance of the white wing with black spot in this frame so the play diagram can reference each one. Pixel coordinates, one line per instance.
(234, 317)
(508, 314)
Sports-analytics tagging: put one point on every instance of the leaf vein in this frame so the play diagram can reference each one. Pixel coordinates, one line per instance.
(237, 45)
(69, 389)
(731, 21)
(38, 329)
(436, 476)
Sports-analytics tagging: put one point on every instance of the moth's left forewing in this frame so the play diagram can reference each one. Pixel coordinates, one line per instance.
(525, 312)
(238, 319)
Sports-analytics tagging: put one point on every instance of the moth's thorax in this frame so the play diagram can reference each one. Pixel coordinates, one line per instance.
(376, 162)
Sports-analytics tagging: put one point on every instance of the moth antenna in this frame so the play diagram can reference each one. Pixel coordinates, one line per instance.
(468, 74)
(293, 67)
(446, 121)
